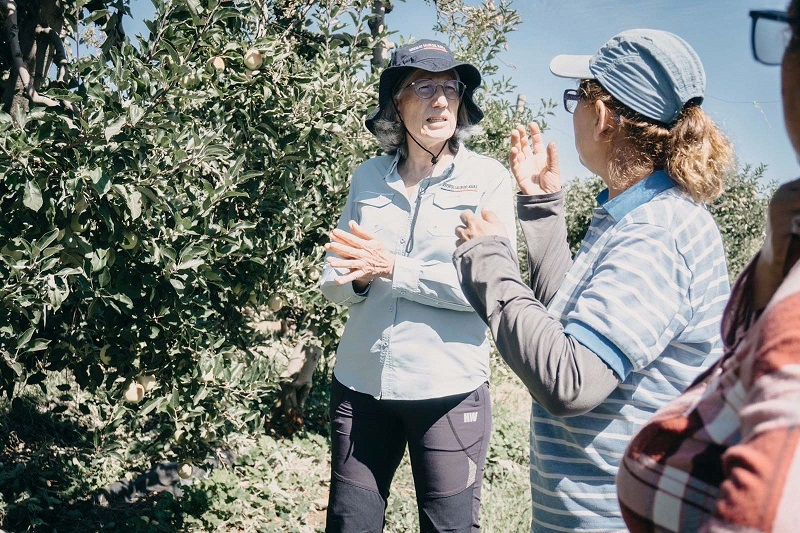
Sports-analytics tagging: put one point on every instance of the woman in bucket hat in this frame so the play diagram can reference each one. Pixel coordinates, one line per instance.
(605, 340)
(412, 366)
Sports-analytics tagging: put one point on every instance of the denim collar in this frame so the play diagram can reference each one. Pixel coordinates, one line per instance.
(639, 194)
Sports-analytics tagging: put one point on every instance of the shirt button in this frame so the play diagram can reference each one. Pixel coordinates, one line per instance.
(391, 309)
(402, 292)
(402, 240)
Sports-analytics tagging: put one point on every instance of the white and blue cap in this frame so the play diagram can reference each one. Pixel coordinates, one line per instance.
(653, 72)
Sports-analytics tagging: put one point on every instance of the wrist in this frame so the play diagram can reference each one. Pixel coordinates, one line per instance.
(361, 287)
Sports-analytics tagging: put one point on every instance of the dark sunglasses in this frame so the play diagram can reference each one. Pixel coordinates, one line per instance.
(571, 99)
(770, 34)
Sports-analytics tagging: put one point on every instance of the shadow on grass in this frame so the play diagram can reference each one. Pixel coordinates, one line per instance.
(46, 485)
(44, 482)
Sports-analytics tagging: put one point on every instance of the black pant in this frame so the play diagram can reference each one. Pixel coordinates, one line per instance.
(447, 440)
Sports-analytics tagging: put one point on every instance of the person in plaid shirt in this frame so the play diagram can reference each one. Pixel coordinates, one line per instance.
(725, 455)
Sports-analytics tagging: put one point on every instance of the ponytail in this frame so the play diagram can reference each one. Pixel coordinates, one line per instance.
(700, 156)
(693, 151)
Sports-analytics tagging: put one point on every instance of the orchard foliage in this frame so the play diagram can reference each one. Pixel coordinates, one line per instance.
(186, 189)
(192, 179)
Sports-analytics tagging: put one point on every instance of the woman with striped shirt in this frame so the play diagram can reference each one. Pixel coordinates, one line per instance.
(604, 341)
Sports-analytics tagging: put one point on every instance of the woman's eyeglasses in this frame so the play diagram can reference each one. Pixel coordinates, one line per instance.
(770, 34)
(425, 89)
(571, 99)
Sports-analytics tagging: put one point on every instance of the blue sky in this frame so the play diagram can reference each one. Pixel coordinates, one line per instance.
(742, 96)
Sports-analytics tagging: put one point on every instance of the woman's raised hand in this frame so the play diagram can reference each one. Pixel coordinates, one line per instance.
(534, 167)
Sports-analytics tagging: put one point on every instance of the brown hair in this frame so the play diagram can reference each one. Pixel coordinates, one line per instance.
(693, 151)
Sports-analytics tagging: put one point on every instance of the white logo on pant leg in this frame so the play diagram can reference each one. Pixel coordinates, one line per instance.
(471, 417)
(473, 469)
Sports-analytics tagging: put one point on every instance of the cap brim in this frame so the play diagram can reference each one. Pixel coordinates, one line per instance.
(568, 66)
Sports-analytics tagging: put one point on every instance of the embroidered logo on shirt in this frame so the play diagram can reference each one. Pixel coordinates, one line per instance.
(459, 188)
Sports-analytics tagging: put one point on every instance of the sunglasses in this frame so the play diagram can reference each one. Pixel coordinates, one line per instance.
(571, 99)
(425, 89)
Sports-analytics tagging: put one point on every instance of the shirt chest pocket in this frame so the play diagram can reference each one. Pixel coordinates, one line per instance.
(374, 211)
(445, 214)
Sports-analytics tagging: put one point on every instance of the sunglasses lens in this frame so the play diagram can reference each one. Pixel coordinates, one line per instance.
(452, 89)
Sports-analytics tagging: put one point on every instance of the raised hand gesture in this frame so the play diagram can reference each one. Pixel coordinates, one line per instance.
(535, 168)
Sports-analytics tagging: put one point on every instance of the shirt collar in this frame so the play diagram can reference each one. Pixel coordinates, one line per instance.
(447, 171)
(639, 194)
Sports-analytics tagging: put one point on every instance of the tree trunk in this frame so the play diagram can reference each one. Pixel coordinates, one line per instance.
(297, 379)
(380, 53)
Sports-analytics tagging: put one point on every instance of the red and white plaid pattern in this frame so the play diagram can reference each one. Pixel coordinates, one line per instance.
(725, 455)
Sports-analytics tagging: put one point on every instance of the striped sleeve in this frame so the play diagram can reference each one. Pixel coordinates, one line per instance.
(636, 299)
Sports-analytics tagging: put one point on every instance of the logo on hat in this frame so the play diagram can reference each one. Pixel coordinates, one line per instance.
(429, 46)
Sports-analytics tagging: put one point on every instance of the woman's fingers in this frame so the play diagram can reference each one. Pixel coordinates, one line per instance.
(349, 277)
(351, 264)
(536, 138)
(359, 231)
(341, 236)
(344, 251)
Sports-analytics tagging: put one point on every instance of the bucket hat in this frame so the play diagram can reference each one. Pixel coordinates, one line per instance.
(432, 56)
(654, 72)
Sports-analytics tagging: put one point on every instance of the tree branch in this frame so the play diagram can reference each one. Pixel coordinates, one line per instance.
(18, 67)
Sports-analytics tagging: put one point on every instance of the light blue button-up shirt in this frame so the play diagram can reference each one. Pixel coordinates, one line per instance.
(415, 336)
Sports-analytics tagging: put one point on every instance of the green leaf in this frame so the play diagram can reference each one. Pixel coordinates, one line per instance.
(115, 127)
(134, 201)
(32, 196)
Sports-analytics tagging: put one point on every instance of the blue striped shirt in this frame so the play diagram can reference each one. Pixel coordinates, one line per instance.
(646, 293)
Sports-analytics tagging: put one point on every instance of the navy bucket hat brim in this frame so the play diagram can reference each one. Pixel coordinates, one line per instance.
(431, 56)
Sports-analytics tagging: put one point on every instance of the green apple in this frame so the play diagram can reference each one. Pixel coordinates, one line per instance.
(253, 59)
(129, 240)
(135, 393)
(216, 63)
(275, 302)
(185, 471)
(104, 357)
(147, 381)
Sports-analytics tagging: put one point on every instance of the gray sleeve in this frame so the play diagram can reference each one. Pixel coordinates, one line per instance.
(541, 218)
(562, 375)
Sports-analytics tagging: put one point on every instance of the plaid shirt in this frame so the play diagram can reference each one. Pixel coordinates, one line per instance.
(725, 454)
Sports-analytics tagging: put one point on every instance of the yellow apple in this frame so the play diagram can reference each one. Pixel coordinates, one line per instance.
(147, 381)
(253, 59)
(135, 393)
(185, 471)
(275, 302)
